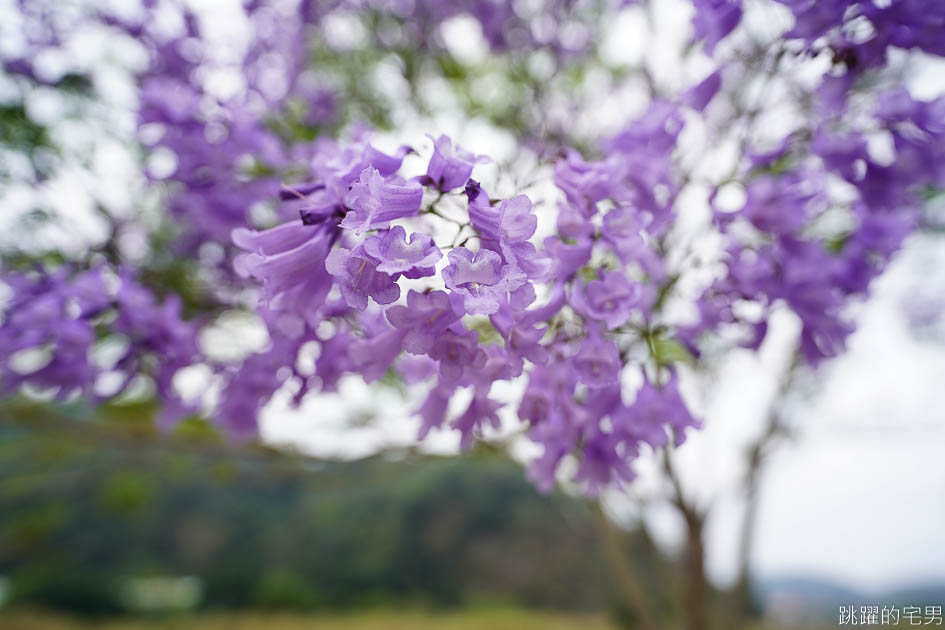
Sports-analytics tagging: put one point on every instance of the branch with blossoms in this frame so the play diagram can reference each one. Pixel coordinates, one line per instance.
(593, 293)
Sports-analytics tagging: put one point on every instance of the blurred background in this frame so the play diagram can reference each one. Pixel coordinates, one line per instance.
(337, 517)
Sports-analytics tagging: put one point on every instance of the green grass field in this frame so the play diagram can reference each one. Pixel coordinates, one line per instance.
(374, 620)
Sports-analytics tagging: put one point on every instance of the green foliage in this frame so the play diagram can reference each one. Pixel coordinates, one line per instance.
(127, 494)
(262, 528)
(285, 590)
(87, 592)
(18, 132)
(667, 351)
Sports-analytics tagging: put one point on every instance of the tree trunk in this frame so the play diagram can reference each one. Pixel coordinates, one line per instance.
(696, 586)
(621, 567)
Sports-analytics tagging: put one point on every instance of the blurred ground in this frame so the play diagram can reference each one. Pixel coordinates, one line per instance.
(375, 620)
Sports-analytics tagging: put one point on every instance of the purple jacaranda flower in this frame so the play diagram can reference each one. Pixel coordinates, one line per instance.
(484, 215)
(832, 95)
(289, 260)
(450, 167)
(511, 221)
(356, 274)
(517, 223)
(516, 325)
(505, 228)
(334, 361)
(372, 355)
(374, 202)
(61, 314)
(167, 100)
(415, 368)
(843, 154)
(814, 19)
(654, 408)
(333, 161)
(425, 316)
(653, 132)
(457, 351)
(567, 257)
(605, 459)
(414, 259)
(538, 400)
(500, 365)
(699, 96)
(89, 293)
(433, 410)
(572, 223)
(252, 386)
(610, 299)
(764, 159)
(784, 204)
(585, 183)
(481, 278)
(481, 410)
(597, 361)
(714, 20)
(623, 229)
(559, 434)
(38, 316)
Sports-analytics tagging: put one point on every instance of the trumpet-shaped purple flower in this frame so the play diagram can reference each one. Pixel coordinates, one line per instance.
(374, 202)
(585, 183)
(457, 351)
(253, 384)
(481, 279)
(289, 260)
(481, 410)
(597, 361)
(432, 412)
(344, 164)
(415, 368)
(715, 19)
(450, 167)
(373, 355)
(425, 316)
(623, 229)
(567, 257)
(609, 299)
(512, 221)
(517, 325)
(505, 228)
(572, 223)
(414, 259)
(357, 276)
(699, 96)
(655, 408)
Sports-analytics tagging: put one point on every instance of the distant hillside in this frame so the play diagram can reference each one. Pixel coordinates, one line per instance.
(808, 599)
(81, 509)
